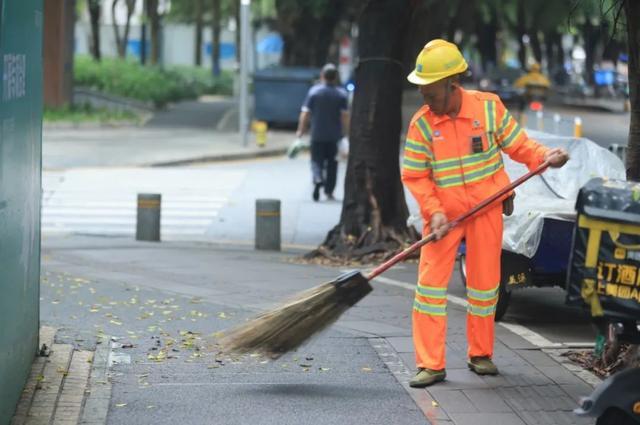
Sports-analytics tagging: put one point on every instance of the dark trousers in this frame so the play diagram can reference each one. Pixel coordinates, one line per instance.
(324, 167)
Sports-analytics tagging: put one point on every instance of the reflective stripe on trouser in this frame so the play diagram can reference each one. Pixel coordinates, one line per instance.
(483, 236)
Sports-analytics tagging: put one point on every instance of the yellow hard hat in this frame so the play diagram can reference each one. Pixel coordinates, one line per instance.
(438, 59)
(535, 67)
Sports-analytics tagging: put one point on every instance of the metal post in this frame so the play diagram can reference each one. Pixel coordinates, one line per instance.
(540, 119)
(148, 217)
(267, 224)
(556, 123)
(244, 71)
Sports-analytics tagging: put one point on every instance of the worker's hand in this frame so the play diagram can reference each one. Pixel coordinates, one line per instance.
(557, 157)
(439, 225)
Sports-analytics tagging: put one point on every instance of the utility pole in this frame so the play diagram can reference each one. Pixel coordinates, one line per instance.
(244, 70)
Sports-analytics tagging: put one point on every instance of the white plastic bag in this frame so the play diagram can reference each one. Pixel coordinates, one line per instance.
(343, 149)
(295, 148)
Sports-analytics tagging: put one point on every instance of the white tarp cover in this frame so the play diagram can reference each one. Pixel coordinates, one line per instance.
(535, 200)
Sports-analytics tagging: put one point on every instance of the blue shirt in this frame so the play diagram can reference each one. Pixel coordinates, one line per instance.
(325, 103)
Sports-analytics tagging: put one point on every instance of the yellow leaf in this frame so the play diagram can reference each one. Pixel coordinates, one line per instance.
(434, 403)
(366, 369)
(121, 404)
(115, 322)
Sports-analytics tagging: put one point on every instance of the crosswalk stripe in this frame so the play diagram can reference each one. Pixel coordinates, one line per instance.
(104, 201)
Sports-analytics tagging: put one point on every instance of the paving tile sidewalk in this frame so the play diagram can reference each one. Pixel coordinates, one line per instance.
(136, 146)
(57, 386)
(533, 388)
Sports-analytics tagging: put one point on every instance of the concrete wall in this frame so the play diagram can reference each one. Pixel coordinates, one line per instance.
(21, 25)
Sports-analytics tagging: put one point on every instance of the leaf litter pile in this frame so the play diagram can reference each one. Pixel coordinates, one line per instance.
(323, 256)
(626, 357)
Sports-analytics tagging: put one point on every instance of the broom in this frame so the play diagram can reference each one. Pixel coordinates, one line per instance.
(286, 327)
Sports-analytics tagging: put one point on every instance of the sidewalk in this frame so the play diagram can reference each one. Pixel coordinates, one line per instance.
(140, 147)
(159, 301)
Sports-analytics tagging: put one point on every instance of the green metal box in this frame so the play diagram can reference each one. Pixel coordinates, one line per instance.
(20, 192)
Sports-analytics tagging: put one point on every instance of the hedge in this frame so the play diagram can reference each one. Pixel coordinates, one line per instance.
(153, 84)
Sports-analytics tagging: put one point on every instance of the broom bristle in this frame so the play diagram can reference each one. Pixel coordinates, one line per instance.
(285, 328)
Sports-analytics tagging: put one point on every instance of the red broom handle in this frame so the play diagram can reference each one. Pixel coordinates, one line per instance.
(432, 236)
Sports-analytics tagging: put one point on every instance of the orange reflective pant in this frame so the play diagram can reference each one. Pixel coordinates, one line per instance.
(483, 236)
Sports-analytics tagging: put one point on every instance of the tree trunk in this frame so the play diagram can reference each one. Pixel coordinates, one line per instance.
(486, 40)
(215, 37)
(374, 211)
(632, 11)
(131, 6)
(325, 34)
(94, 17)
(428, 22)
(536, 48)
(154, 24)
(116, 29)
(457, 18)
(521, 29)
(307, 37)
(591, 35)
(198, 32)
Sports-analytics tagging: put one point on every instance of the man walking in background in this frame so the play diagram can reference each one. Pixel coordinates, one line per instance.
(326, 109)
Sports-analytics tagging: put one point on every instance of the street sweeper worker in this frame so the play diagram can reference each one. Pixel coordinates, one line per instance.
(452, 161)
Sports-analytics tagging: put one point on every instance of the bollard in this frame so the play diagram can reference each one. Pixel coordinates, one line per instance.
(267, 224)
(148, 217)
(556, 123)
(260, 128)
(577, 127)
(540, 117)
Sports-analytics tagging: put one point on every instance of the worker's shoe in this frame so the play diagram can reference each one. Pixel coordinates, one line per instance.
(426, 377)
(482, 366)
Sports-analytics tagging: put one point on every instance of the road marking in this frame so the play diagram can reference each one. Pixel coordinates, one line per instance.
(103, 201)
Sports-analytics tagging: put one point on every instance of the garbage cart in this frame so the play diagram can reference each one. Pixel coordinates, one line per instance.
(604, 278)
(537, 236)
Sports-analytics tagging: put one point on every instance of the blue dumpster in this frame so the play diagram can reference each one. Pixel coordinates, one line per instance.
(280, 91)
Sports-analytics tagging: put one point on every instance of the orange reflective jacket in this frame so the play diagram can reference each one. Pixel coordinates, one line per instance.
(451, 165)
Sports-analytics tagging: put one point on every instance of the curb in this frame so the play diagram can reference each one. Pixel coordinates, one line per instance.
(96, 406)
(222, 157)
